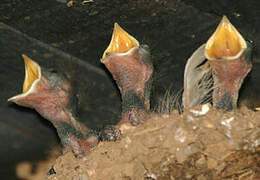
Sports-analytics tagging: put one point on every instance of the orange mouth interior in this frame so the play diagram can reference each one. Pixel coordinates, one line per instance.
(121, 41)
(225, 42)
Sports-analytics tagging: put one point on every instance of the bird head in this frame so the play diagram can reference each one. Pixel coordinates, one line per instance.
(225, 43)
(43, 90)
(121, 42)
(130, 65)
(230, 58)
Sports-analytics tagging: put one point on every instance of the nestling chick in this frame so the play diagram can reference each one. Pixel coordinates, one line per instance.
(229, 60)
(131, 67)
(50, 94)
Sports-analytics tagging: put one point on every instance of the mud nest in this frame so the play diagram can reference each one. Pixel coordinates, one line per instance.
(199, 144)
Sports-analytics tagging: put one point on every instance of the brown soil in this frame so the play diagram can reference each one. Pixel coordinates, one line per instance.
(195, 145)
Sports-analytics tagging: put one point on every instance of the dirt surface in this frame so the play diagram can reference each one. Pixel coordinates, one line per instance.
(216, 145)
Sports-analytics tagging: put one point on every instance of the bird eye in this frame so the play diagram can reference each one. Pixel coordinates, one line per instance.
(53, 71)
(251, 42)
(146, 47)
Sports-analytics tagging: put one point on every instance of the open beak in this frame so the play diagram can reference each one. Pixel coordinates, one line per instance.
(226, 42)
(130, 65)
(121, 42)
(49, 93)
(230, 59)
(32, 77)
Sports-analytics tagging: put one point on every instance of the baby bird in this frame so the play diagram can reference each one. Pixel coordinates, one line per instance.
(50, 94)
(228, 60)
(131, 67)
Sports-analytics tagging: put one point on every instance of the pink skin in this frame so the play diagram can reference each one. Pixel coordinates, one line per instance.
(132, 72)
(228, 77)
(51, 102)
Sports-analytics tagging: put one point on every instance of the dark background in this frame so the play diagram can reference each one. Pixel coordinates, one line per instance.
(73, 40)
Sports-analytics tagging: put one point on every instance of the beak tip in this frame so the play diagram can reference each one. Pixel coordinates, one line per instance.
(24, 56)
(225, 20)
(10, 99)
(117, 28)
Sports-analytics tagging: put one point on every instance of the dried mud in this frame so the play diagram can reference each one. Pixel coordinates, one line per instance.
(195, 145)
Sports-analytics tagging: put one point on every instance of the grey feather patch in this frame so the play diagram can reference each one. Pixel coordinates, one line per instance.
(198, 82)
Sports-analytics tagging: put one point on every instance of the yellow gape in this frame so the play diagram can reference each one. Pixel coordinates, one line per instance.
(121, 41)
(225, 42)
(31, 73)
